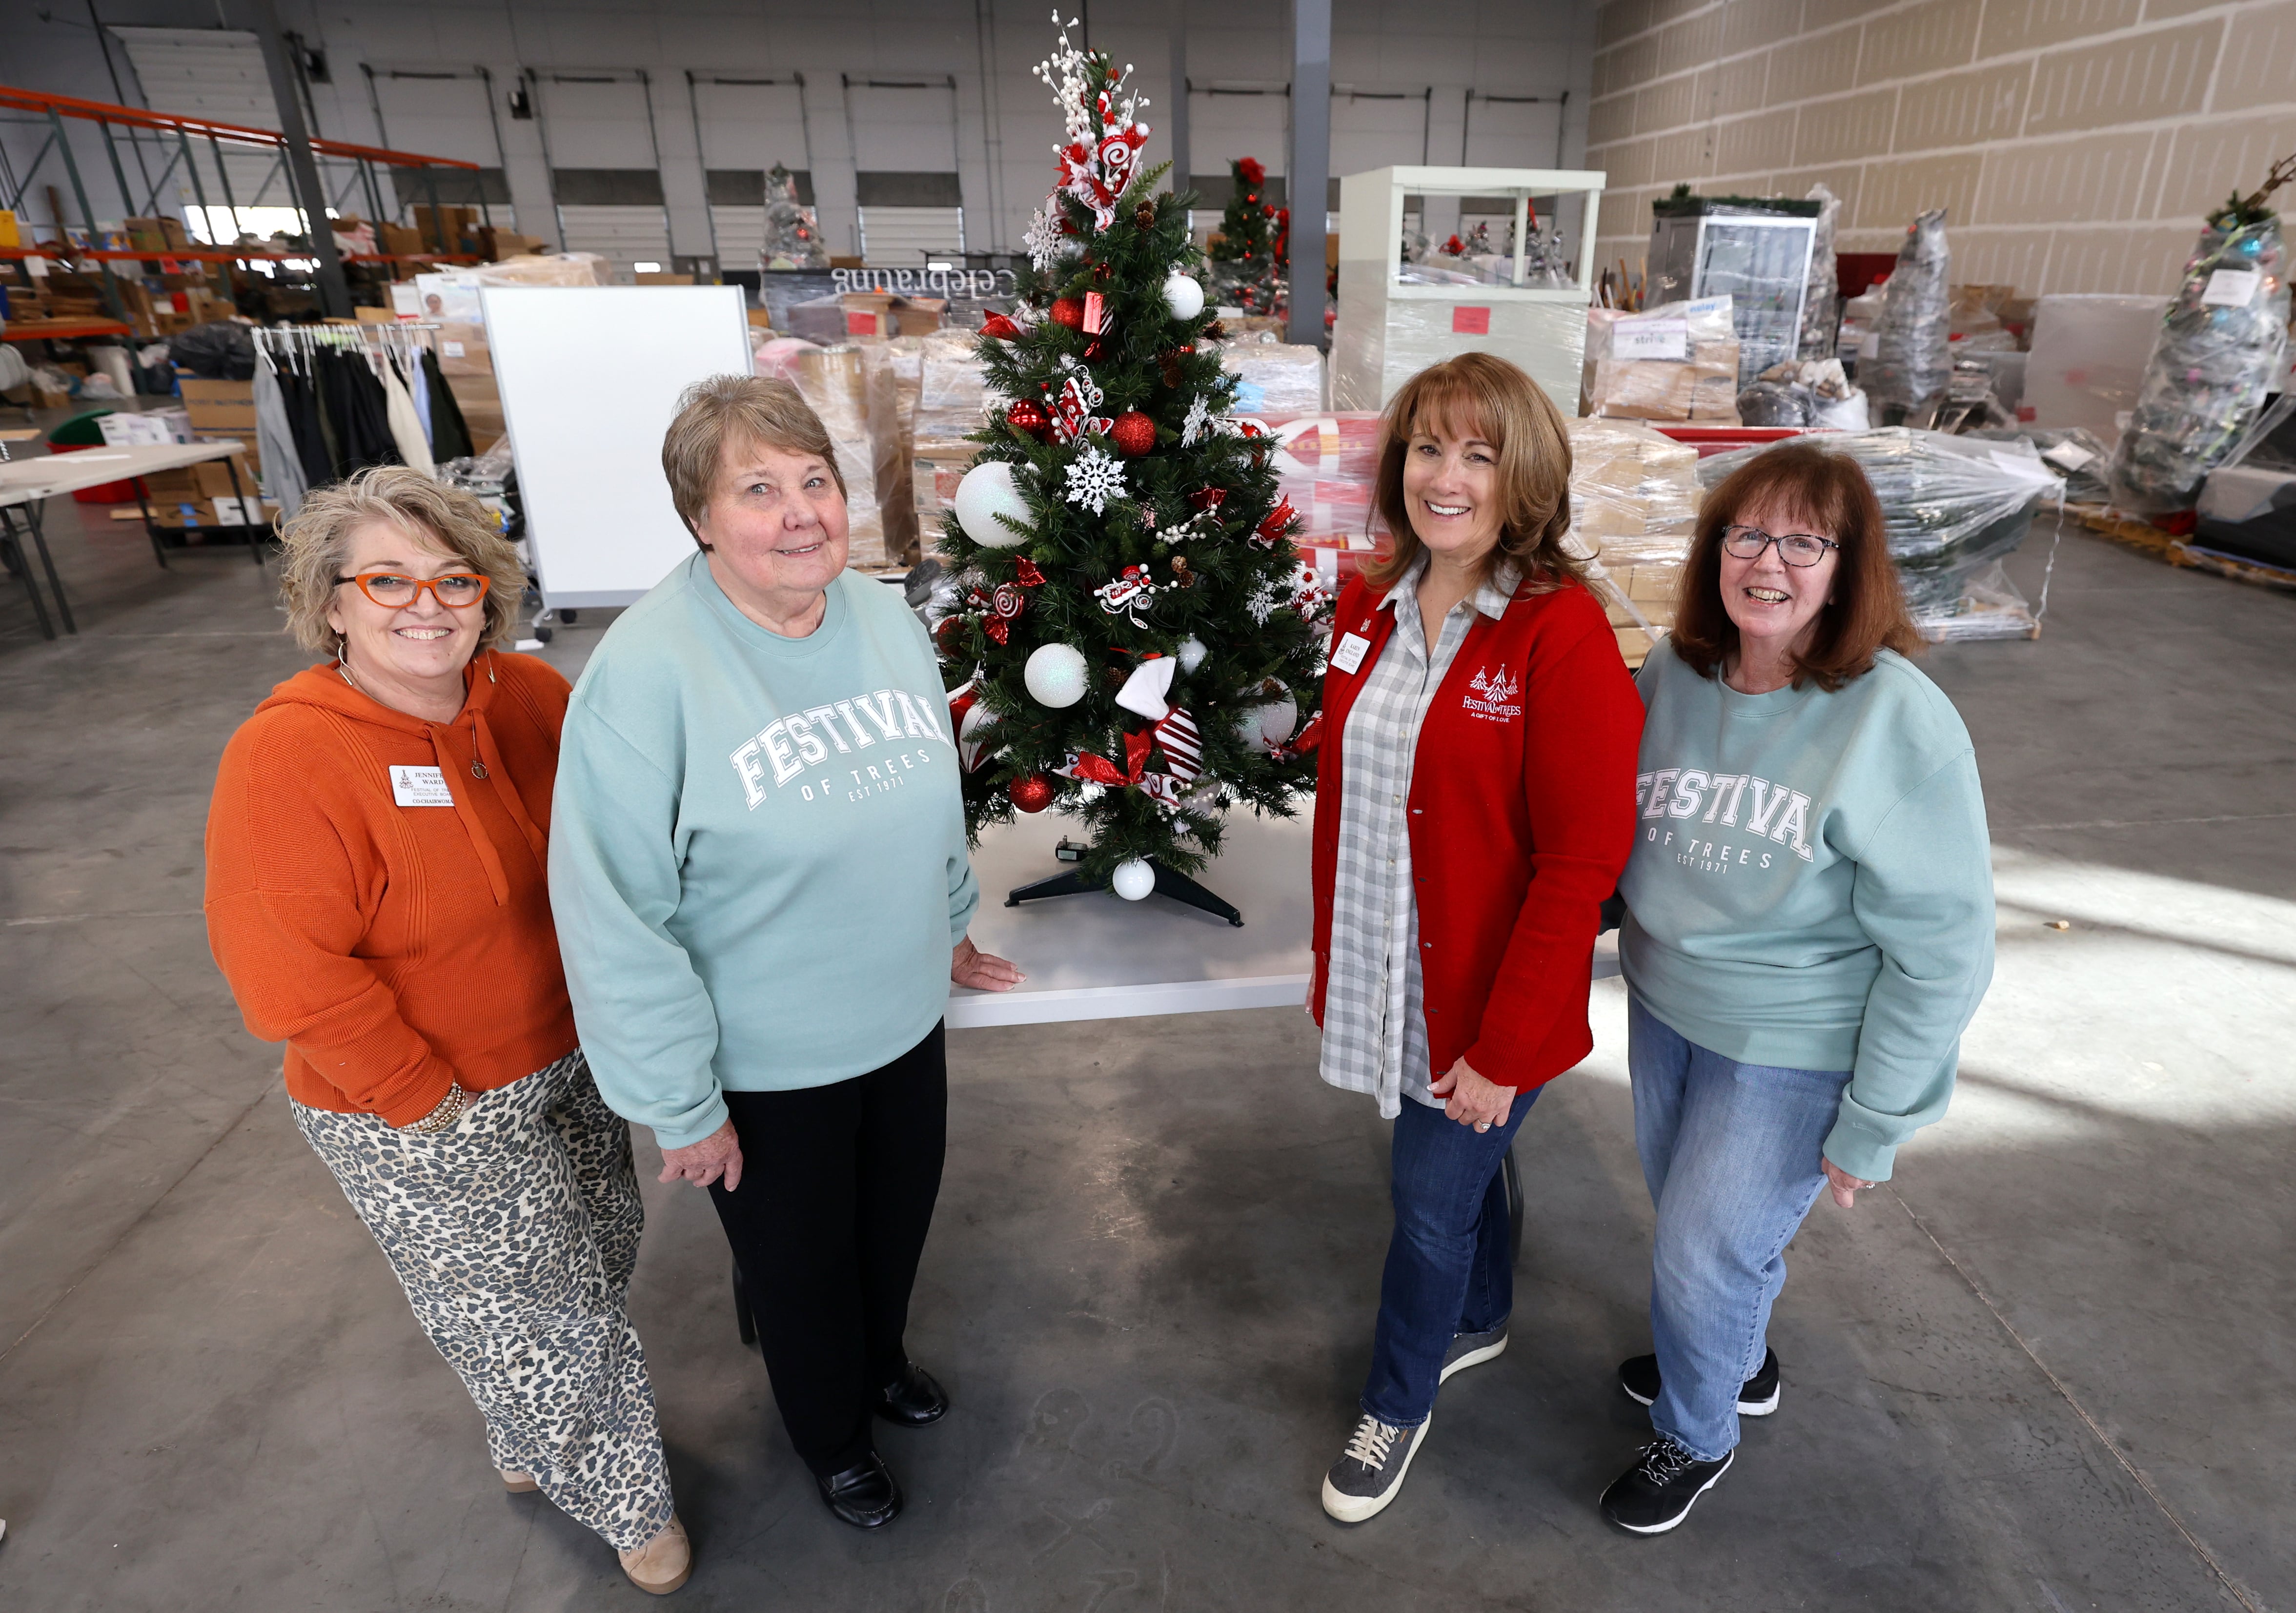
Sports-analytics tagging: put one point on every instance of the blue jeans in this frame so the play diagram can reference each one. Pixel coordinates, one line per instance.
(1732, 1155)
(1450, 1265)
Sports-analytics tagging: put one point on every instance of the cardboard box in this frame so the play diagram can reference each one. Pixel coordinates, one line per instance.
(249, 457)
(883, 314)
(10, 235)
(654, 278)
(935, 469)
(398, 240)
(498, 243)
(481, 405)
(224, 514)
(462, 349)
(218, 406)
(458, 222)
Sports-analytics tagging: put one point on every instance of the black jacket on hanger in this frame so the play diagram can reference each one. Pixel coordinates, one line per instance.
(303, 419)
(450, 438)
(356, 402)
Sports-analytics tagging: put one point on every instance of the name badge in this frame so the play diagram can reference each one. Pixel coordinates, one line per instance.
(420, 787)
(1349, 655)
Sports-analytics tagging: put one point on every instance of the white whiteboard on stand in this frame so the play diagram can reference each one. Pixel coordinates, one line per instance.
(590, 377)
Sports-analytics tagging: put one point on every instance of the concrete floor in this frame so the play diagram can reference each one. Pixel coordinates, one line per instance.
(2048, 1368)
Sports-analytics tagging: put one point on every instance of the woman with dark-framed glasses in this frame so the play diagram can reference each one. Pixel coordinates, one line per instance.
(1810, 929)
(377, 897)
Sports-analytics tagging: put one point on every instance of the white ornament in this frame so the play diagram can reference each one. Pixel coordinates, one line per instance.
(1198, 423)
(1191, 653)
(987, 493)
(1147, 690)
(1093, 479)
(1268, 723)
(1054, 675)
(1046, 241)
(1184, 294)
(1134, 880)
(968, 747)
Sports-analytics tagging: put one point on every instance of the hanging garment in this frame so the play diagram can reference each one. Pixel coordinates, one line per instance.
(418, 388)
(313, 450)
(398, 410)
(275, 445)
(354, 405)
(450, 438)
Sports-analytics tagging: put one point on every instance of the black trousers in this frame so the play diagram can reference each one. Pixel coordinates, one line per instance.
(838, 1187)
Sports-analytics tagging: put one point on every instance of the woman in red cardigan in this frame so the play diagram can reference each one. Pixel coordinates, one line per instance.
(1473, 807)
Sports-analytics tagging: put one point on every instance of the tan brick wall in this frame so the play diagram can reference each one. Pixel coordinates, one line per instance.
(2075, 143)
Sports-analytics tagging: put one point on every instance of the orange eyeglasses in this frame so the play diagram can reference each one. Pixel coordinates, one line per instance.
(457, 590)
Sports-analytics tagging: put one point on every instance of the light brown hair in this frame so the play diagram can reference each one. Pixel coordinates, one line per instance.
(1866, 611)
(726, 410)
(317, 544)
(1478, 395)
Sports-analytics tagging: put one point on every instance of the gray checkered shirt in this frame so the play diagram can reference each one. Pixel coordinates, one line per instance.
(1374, 1018)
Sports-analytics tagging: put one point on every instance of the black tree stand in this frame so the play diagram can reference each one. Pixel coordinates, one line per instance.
(1169, 882)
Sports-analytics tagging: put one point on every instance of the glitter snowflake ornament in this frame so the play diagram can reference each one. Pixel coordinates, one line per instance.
(1199, 421)
(1094, 478)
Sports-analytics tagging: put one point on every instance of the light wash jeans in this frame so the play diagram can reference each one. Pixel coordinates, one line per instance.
(1732, 1155)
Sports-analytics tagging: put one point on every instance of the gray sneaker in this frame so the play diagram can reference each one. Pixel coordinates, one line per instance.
(1472, 1350)
(1370, 1469)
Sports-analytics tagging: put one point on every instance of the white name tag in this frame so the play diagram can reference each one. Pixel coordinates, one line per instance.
(2230, 288)
(1650, 339)
(420, 787)
(1349, 655)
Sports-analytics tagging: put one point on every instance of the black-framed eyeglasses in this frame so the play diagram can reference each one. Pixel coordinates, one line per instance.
(1795, 548)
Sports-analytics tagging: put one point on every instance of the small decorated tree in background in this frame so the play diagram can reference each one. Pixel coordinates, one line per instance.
(1133, 631)
(1254, 246)
(793, 231)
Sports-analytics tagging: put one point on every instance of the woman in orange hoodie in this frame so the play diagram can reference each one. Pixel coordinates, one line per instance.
(377, 897)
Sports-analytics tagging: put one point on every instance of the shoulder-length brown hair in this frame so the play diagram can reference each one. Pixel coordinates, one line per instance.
(1829, 492)
(1478, 395)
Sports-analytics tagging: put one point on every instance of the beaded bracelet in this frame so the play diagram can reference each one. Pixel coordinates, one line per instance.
(450, 1109)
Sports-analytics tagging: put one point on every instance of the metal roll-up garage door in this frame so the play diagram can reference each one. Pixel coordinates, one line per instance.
(744, 124)
(605, 165)
(903, 136)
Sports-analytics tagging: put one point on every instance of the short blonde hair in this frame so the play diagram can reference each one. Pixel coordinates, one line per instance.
(1478, 394)
(317, 541)
(735, 409)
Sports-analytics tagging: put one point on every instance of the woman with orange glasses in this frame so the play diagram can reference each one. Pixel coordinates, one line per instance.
(377, 897)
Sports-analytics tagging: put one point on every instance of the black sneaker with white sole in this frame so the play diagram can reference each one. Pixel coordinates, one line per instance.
(1757, 1396)
(1655, 1494)
(1472, 1350)
(1370, 1469)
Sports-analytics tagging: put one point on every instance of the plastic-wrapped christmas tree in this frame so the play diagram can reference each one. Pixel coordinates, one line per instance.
(1911, 366)
(1253, 252)
(1132, 631)
(2222, 348)
(793, 231)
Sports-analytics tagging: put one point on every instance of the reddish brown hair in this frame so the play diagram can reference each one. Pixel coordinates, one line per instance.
(1866, 613)
(1478, 395)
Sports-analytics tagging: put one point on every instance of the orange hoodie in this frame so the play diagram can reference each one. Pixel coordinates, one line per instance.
(397, 949)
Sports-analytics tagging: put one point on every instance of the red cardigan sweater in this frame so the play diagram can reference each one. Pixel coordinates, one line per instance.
(1523, 809)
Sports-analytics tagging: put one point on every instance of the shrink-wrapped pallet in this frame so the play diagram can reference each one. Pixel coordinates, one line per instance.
(1676, 362)
(834, 381)
(1633, 507)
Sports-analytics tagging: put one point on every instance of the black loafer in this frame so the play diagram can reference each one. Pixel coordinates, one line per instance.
(867, 1496)
(914, 1399)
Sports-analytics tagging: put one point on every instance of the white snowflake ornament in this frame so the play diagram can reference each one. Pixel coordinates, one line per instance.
(1095, 477)
(1197, 423)
(1046, 241)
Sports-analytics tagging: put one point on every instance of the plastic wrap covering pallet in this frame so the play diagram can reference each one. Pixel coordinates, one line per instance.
(1389, 328)
(1678, 361)
(1951, 507)
(2087, 360)
(1634, 505)
(2194, 554)
(1275, 379)
(835, 381)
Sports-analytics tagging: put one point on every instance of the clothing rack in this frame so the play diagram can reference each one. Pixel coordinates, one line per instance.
(297, 342)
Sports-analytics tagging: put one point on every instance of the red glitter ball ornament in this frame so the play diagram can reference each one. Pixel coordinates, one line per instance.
(1069, 311)
(998, 328)
(1033, 793)
(1029, 416)
(1134, 433)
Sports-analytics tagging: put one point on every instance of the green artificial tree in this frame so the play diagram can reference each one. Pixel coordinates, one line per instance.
(1254, 245)
(1133, 638)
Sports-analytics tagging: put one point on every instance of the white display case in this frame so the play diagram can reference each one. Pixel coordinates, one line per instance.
(1390, 329)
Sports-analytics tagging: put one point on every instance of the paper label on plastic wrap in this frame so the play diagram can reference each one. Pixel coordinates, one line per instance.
(1869, 345)
(2068, 456)
(2230, 288)
(1471, 321)
(454, 349)
(1650, 339)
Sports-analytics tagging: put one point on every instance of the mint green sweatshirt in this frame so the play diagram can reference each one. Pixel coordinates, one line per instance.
(1812, 886)
(757, 849)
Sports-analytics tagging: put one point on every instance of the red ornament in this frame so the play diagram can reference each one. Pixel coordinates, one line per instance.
(1069, 311)
(1030, 417)
(1278, 524)
(1025, 572)
(998, 328)
(1097, 348)
(1207, 498)
(1134, 433)
(1033, 793)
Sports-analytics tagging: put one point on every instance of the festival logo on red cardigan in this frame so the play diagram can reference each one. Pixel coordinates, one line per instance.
(1494, 696)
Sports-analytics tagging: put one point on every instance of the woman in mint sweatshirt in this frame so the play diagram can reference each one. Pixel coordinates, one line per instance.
(759, 871)
(1809, 929)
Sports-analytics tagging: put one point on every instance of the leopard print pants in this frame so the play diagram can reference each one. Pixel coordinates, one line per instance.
(515, 1235)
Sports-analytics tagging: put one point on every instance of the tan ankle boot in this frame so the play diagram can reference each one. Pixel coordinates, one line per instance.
(663, 1563)
(516, 1482)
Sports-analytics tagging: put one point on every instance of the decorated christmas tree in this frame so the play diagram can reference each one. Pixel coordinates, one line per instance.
(1253, 250)
(1133, 633)
(792, 231)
